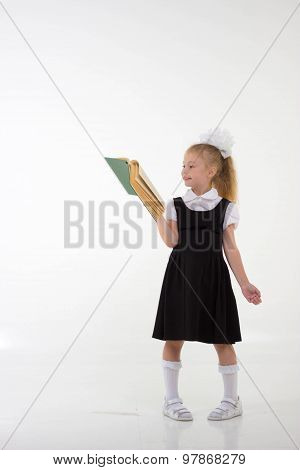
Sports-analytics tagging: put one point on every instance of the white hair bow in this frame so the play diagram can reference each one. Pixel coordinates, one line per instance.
(222, 139)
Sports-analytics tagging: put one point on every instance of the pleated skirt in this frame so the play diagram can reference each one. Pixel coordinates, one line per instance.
(197, 302)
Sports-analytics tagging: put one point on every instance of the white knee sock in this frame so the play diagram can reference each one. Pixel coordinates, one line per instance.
(171, 372)
(229, 373)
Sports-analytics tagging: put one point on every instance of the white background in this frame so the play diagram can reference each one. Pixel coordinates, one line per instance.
(141, 80)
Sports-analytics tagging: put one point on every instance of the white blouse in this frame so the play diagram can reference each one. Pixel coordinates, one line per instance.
(206, 201)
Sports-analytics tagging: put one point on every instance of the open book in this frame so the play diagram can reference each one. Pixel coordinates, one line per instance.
(135, 181)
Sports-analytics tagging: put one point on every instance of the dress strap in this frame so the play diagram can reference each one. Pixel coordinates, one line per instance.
(224, 204)
(180, 208)
(178, 201)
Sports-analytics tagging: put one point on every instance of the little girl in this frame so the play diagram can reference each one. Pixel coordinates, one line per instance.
(197, 302)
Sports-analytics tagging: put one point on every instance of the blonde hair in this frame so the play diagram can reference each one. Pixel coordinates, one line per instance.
(225, 179)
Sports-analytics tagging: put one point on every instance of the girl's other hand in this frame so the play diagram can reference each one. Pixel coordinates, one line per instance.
(251, 293)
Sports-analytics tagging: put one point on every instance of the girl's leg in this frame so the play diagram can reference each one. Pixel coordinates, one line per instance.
(171, 364)
(231, 404)
(172, 350)
(228, 367)
(226, 354)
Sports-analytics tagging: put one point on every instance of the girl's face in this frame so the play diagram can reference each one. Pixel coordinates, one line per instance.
(194, 171)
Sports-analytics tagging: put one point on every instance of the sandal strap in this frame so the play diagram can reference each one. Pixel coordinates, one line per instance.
(222, 408)
(174, 400)
(229, 400)
(178, 408)
(182, 411)
(178, 411)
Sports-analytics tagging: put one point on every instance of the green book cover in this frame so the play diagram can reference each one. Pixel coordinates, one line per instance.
(121, 170)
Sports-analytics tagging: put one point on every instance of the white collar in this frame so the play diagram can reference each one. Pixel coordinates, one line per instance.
(190, 195)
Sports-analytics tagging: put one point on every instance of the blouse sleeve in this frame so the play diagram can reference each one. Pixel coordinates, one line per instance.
(232, 216)
(170, 211)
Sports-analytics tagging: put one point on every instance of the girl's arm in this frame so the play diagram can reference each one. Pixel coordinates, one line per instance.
(168, 231)
(234, 259)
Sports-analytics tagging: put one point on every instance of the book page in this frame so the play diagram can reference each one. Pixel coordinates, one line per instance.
(153, 189)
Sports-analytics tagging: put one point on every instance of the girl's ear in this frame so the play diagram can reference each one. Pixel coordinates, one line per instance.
(212, 171)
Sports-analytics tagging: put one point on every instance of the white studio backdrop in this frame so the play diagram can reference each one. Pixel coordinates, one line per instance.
(81, 80)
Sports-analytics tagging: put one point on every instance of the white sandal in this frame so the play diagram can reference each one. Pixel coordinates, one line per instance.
(222, 412)
(174, 409)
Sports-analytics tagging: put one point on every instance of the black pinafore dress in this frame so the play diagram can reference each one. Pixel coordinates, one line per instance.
(197, 302)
